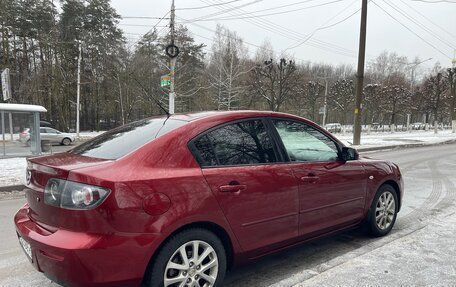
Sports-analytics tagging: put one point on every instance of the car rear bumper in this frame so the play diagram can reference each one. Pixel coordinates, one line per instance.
(81, 259)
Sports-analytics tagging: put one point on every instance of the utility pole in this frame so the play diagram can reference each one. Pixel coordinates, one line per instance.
(360, 75)
(172, 95)
(325, 106)
(78, 93)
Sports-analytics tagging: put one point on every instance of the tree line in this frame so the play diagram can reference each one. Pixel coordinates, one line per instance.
(120, 80)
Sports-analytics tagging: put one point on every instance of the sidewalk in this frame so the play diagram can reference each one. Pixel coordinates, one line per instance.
(12, 170)
(419, 256)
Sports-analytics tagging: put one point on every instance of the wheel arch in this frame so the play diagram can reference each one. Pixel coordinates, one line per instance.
(396, 189)
(219, 231)
(68, 138)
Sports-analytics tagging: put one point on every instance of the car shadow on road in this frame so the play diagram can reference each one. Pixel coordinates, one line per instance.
(311, 257)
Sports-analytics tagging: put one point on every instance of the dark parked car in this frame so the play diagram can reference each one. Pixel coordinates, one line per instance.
(177, 201)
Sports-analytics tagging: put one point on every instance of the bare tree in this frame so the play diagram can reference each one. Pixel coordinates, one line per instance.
(396, 101)
(435, 87)
(227, 68)
(341, 98)
(275, 82)
(372, 103)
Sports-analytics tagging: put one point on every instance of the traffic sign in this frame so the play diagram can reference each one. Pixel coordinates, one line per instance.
(172, 51)
(6, 86)
(165, 81)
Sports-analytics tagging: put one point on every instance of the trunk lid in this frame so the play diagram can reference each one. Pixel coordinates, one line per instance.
(39, 171)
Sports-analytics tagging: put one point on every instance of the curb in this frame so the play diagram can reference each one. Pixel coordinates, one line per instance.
(403, 146)
(11, 188)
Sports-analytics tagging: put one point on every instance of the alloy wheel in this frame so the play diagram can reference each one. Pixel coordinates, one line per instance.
(194, 264)
(385, 210)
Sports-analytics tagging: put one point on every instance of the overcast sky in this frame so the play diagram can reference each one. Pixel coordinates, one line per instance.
(434, 22)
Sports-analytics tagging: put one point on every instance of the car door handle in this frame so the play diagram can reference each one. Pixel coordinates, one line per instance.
(310, 178)
(232, 188)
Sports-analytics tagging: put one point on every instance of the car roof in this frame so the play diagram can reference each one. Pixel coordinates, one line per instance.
(226, 114)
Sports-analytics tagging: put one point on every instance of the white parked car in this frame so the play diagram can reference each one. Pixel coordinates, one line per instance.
(333, 127)
(48, 134)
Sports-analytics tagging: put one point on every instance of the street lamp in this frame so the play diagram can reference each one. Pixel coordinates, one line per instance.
(412, 79)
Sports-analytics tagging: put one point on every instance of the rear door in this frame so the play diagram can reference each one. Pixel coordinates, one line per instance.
(331, 192)
(258, 195)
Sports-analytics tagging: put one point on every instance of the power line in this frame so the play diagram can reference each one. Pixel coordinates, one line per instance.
(208, 6)
(437, 1)
(270, 14)
(153, 28)
(328, 26)
(296, 36)
(224, 11)
(258, 46)
(144, 17)
(283, 6)
(406, 15)
(413, 32)
(424, 16)
(138, 25)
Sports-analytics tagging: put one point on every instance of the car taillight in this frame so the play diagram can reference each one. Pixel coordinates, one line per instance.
(73, 195)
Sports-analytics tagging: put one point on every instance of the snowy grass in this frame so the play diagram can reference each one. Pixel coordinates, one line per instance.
(12, 170)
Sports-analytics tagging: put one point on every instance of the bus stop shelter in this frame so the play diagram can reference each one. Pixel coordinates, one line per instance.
(20, 126)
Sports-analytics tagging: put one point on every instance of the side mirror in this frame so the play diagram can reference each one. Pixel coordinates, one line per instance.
(349, 153)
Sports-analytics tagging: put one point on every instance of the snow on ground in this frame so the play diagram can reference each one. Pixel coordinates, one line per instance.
(12, 171)
(88, 135)
(398, 138)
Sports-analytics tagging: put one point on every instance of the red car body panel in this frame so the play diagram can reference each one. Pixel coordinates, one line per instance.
(258, 223)
(330, 194)
(160, 188)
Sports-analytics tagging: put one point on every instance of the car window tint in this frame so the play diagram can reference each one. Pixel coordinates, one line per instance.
(305, 143)
(236, 144)
(120, 141)
(206, 155)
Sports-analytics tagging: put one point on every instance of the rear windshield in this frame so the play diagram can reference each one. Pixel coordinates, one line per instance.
(120, 141)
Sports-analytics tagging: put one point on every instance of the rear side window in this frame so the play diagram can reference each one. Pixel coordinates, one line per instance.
(242, 143)
(120, 141)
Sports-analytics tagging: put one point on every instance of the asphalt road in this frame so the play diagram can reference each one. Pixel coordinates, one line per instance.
(419, 251)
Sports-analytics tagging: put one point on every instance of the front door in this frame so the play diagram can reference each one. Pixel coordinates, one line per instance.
(331, 192)
(258, 196)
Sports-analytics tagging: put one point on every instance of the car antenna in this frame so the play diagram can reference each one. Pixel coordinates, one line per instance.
(149, 95)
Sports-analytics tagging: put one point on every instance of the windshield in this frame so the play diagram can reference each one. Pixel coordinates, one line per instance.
(120, 141)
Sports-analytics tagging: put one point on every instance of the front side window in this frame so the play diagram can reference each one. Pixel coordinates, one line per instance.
(242, 143)
(304, 143)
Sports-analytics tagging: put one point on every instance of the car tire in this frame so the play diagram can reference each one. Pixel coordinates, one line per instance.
(66, 141)
(383, 211)
(169, 265)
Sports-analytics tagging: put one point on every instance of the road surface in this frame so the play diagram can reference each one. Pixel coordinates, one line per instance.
(419, 251)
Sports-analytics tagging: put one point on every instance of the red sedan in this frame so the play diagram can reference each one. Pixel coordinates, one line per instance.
(176, 201)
